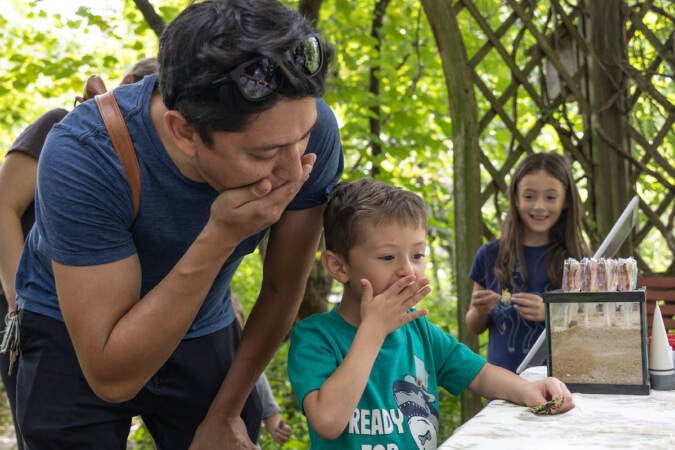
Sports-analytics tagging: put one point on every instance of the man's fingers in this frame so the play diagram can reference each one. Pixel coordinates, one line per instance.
(308, 161)
(262, 188)
(241, 196)
(281, 195)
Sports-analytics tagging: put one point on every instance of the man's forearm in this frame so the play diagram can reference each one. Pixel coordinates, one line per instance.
(289, 257)
(265, 330)
(115, 369)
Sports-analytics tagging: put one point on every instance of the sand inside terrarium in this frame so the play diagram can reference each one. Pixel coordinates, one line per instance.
(597, 354)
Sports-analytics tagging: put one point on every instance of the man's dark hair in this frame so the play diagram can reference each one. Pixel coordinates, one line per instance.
(208, 39)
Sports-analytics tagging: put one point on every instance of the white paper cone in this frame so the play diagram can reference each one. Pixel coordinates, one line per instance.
(660, 353)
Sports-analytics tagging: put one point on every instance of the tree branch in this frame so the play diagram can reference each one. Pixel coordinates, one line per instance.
(155, 22)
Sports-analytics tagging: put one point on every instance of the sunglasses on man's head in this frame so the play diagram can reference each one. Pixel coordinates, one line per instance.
(261, 77)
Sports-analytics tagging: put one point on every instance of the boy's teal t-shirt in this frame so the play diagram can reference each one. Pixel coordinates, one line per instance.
(399, 407)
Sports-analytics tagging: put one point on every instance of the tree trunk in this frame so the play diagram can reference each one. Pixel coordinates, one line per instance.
(609, 185)
(319, 283)
(317, 292)
(466, 155)
(374, 121)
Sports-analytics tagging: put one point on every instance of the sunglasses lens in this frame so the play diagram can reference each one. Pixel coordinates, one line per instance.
(308, 55)
(259, 79)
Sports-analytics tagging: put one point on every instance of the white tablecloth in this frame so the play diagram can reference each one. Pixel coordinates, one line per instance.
(597, 422)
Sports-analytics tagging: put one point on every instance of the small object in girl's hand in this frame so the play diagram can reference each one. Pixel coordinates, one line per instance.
(506, 296)
(547, 408)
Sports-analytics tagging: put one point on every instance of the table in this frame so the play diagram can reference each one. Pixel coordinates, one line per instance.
(597, 422)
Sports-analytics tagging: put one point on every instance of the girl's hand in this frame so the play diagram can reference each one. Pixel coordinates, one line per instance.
(484, 300)
(530, 306)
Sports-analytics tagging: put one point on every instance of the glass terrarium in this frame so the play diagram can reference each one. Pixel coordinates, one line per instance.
(597, 341)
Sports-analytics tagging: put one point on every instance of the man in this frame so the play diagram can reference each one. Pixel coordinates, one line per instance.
(124, 315)
(17, 191)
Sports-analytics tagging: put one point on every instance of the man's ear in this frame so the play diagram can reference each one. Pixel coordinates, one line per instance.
(183, 134)
(335, 265)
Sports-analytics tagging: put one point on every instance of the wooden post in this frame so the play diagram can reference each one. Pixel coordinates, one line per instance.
(609, 184)
(466, 155)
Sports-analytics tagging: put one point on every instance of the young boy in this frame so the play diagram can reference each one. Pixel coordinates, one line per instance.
(366, 374)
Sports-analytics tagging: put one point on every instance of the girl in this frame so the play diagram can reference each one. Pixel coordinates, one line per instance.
(542, 228)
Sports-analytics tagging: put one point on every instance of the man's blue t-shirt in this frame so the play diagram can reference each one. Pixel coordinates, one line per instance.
(511, 336)
(399, 409)
(84, 213)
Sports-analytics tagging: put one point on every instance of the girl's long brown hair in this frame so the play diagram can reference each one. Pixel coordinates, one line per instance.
(565, 235)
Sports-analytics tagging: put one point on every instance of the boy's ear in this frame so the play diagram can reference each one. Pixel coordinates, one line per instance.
(335, 265)
(184, 135)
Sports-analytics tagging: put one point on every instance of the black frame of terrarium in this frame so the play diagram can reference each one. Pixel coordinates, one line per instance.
(637, 296)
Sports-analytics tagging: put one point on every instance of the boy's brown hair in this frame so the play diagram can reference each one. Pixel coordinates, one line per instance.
(367, 202)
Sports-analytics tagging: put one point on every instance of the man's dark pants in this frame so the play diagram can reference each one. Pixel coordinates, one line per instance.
(56, 408)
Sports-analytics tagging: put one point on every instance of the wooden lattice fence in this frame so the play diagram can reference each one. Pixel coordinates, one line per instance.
(600, 75)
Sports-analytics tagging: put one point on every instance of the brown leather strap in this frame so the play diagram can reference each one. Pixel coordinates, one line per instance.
(121, 141)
